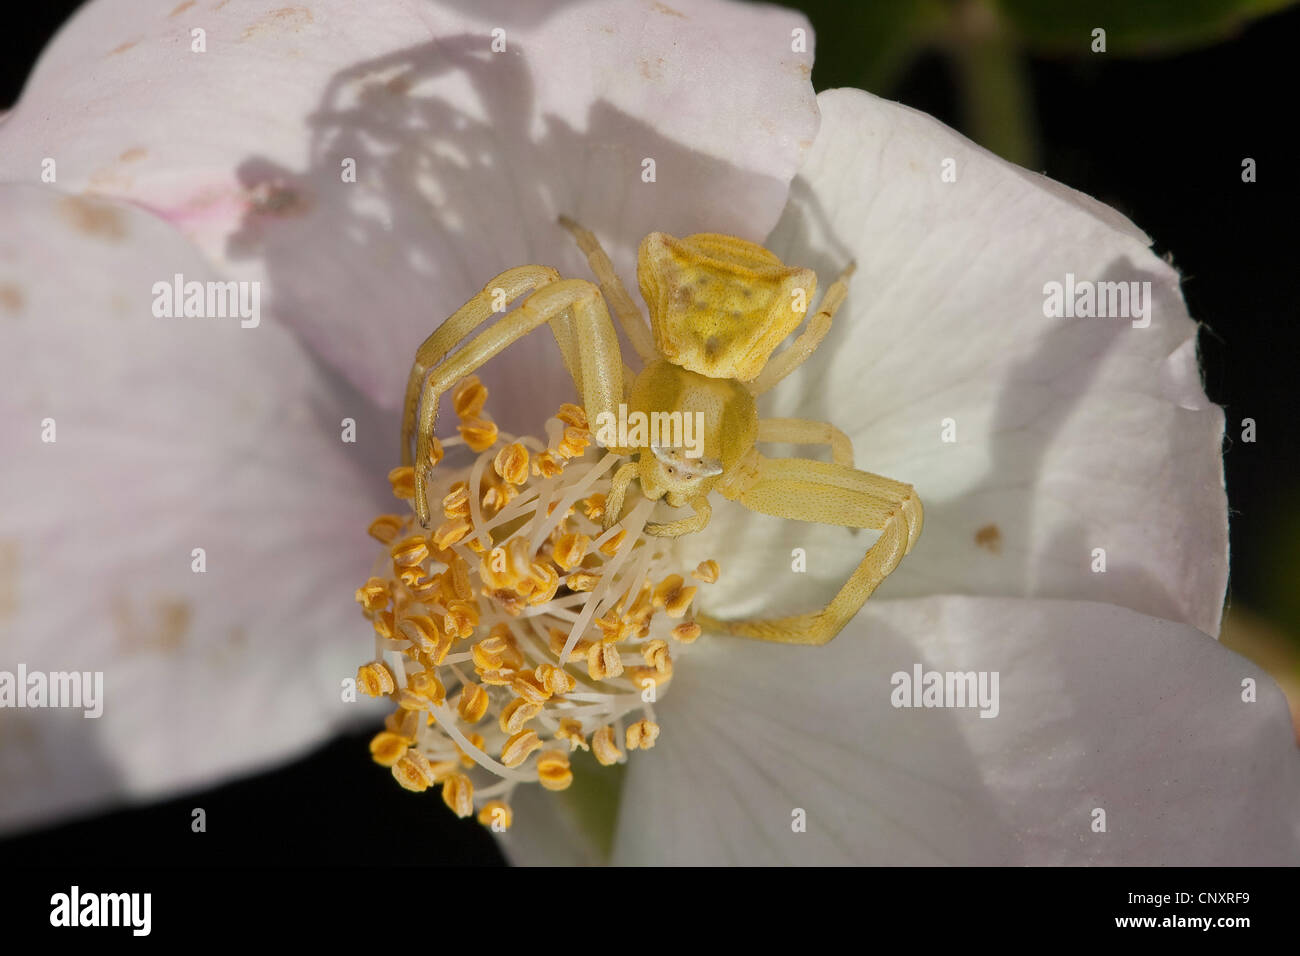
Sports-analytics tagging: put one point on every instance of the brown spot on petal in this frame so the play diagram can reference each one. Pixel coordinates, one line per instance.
(11, 297)
(92, 217)
(133, 154)
(989, 538)
(291, 19)
(123, 48)
(668, 11)
(182, 8)
(163, 630)
(651, 71)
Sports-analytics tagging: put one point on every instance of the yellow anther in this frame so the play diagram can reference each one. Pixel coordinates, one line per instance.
(511, 463)
(497, 676)
(529, 688)
(509, 601)
(573, 415)
(571, 731)
(553, 771)
(686, 632)
(516, 714)
(375, 679)
(461, 619)
(424, 634)
(614, 628)
(412, 771)
(611, 546)
(604, 748)
(456, 580)
(569, 550)
(450, 531)
(497, 815)
(458, 794)
(642, 735)
(479, 433)
(386, 528)
(373, 595)
(489, 653)
(655, 653)
(402, 478)
(639, 675)
(404, 723)
(574, 442)
(581, 581)
(593, 506)
(554, 679)
(469, 397)
(603, 661)
(472, 704)
(556, 639)
(426, 684)
(672, 597)
(410, 551)
(706, 571)
(384, 626)
(408, 699)
(497, 497)
(414, 577)
(516, 750)
(546, 583)
(455, 503)
(387, 747)
(547, 465)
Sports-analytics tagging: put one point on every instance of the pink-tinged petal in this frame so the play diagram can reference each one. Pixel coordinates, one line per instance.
(170, 435)
(1099, 708)
(1071, 436)
(463, 157)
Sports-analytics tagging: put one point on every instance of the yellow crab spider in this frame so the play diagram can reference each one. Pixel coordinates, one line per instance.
(719, 306)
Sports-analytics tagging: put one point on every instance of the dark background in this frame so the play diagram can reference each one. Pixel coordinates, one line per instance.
(1161, 138)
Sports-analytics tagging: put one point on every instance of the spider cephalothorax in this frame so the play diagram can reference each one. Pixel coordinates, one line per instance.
(719, 307)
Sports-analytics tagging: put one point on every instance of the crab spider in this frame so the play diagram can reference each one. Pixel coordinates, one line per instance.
(719, 306)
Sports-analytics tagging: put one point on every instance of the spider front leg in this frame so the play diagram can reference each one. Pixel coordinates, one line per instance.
(807, 490)
(597, 368)
(629, 316)
(510, 284)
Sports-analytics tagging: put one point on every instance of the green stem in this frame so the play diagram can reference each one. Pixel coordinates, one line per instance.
(994, 87)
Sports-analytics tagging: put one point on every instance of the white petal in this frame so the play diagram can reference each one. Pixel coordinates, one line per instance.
(464, 157)
(1099, 708)
(171, 434)
(1072, 434)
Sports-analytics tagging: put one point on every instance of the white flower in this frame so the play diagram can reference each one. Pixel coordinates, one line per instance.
(177, 434)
